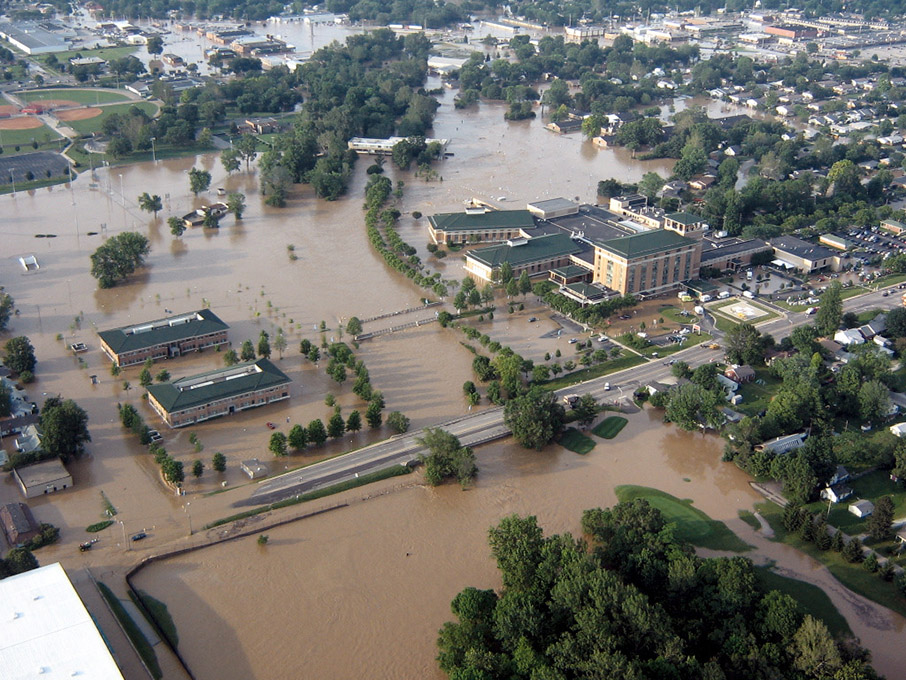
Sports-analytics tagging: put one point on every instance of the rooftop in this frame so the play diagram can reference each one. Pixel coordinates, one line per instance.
(645, 243)
(799, 248)
(685, 218)
(41, 473)
(223, 383)
(45, 630)
(553, 204)
(713, 250)
(531, 250)
(592, 222)
(162, 331)
(491, 219)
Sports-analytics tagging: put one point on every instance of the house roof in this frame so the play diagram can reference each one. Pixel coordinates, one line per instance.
(223, 383)
(39, 474)
(491, 219)
(645, 243)
(743, 372)
(863, 505)
(17, 518)
(162, 331)
(531, 250)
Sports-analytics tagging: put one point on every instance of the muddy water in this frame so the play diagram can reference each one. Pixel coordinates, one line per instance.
(361, 591)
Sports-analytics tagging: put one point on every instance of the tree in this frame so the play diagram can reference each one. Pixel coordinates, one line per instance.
(680, 369)
(814, 651)
(211, 220)
(229, 159)
(118, 258)
(7, 304)
(446, 457)
(6, 401)
(397, 422)
(874, 400)
(336, 426)
(354, 325)
(236, 204)
(373, 415)
(197, 469)
(218, 462)
(19, 355)
(744, 344)
(830, 314)
(880, 522)
(586, 409)
(20, 560)
(199, 180)
(149, 203)
(247, 146)
(163, 375)
(525, 284)
(264, 345)
(317, 434)
(354, 422)
(277, 444)
(247, 351)
(177, 226)
(155, 44)
(692, 406)
(280, 342)
(535, 418)
(144, 378)
(65, 428)
(230, 358)
(173, 471)
(896, 322)
(297, 438)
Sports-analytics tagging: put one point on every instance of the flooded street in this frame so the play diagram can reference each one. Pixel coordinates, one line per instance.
(360, 591)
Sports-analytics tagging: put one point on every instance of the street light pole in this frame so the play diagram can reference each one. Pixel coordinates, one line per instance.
(153, 151)
(123, 525)
(13, 180)
(189, 515)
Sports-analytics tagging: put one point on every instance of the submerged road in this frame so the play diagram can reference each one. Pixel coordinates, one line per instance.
(487, 425)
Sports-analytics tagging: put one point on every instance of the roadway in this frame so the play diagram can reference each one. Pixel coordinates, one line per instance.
(487, 425)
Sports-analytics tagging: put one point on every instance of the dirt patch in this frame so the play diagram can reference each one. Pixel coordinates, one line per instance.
(21, 123)
(50, 104)
(8, 110)
(78, 114)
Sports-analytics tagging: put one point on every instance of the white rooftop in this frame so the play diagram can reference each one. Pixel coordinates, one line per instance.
(46, 632)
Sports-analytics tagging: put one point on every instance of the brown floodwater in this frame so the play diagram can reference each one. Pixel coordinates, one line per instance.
(362, 590)
(342, 583)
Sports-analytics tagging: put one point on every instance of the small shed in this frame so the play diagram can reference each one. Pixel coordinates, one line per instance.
(862, 508)
(18, 523)
(254, 468)
(42, 478)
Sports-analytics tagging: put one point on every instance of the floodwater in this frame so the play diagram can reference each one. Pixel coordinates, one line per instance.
(350, 577)
(362, 590)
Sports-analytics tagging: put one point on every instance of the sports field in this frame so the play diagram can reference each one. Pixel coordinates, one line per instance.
(78, 96)
(22, 130)
(88, 126)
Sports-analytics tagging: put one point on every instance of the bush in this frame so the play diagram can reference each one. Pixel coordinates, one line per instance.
(27, 377)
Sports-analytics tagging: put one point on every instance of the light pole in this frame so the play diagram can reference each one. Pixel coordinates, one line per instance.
(122, 192)
(123, 525)
(189, 515)
(13, 180)
(153, 151)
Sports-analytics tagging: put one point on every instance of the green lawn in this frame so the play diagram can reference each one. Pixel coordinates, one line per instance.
(610, 427)
(82, 96)
(870, 487)
(692, 524)
(889, 280)
(575, 441)
(853, 576)
(812, 600)
(133, 632)
(45, 136)
(755, 397)
(605, 368)
(673, 314)
(104, 53)
(691, 340)
(91, 125)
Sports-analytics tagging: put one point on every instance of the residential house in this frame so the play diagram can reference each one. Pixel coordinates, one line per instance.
(837, 493)
(741, 374)
(18, 523)
(784, 444)
(861, 508)
(849, 336)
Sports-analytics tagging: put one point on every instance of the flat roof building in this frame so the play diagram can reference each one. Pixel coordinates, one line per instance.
(732, 253)
(42, 478)
(805, 256)
(47, 632)
(647, 262)
(533, 255)
(218, 393)
(554, 207)
(372, 145)
(163, 338)
(476, 225)
(32, 38)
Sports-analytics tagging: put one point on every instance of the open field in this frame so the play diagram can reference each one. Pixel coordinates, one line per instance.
(20, 123)
(756, 397)
(79, 96)
(22, 136)
(692, 524)
(92, 125)
(611, 366)
(575, 441)
(103, 53)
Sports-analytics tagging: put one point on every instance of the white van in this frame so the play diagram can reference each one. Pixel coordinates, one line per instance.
(748, 294)
(724, 294)
(706, 298)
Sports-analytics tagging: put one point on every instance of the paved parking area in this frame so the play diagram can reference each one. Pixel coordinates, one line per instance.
(38, 163)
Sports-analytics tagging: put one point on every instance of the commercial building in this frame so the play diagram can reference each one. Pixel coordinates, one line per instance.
(164, 338)
(47, 632)
(686, 224)
(476, 225)
(794, 253)
(32, 38)
(647, 262)
(835, 241)
(18, 524)
(732, 253)
(893, 226)
(384, 147)
(533, 255)
(42, 478)
(218, 393)
(554, 207)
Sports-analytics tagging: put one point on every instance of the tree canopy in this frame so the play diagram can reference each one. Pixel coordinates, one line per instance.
(535, 418)
(120, 256)
(64, 428)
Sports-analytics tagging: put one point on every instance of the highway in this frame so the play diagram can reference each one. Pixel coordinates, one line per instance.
(487, 425)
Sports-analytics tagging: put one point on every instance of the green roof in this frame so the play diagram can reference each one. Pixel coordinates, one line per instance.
(531, 250)
(587, 291)
(162, 331)
(644, 243)
(894, 223)
(223, 383)
(571, 270)
(492, 219)
(685, 218)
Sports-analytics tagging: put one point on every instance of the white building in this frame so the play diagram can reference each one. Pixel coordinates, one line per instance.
(45, 630)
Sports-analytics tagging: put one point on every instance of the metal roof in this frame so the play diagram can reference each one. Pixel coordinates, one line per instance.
(491, 219)
(162, 331)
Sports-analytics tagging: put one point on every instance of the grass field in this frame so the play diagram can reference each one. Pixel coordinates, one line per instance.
(610, 427)
(755, 398)
(10, 139)
(812, 600)
(889, 280)
(692, 524)
(691, 340)
(104, 53)
(575, 441)
(606, 368)
(82, 96)
(673, 314)
(87, 127)
(853, 576)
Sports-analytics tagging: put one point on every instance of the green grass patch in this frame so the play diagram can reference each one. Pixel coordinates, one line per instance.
(91, 125)
(82, 96)
(158, 611)
(889, 280)
(812, 600)
(691, 340)
(605, 368)
(44, 136)
(853, 576)
(610, 427)
(692, 524)
(98, 526)
(750, 519)
(36, 184)
(870, 487)
(868, 315)
(755, 396)
(362, 480)
(576, 442)
(675, 315)
(133, 632)
(107, 53)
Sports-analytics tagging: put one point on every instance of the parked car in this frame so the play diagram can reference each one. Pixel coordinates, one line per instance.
(271, 426)
(532, 319)
(141, 535)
